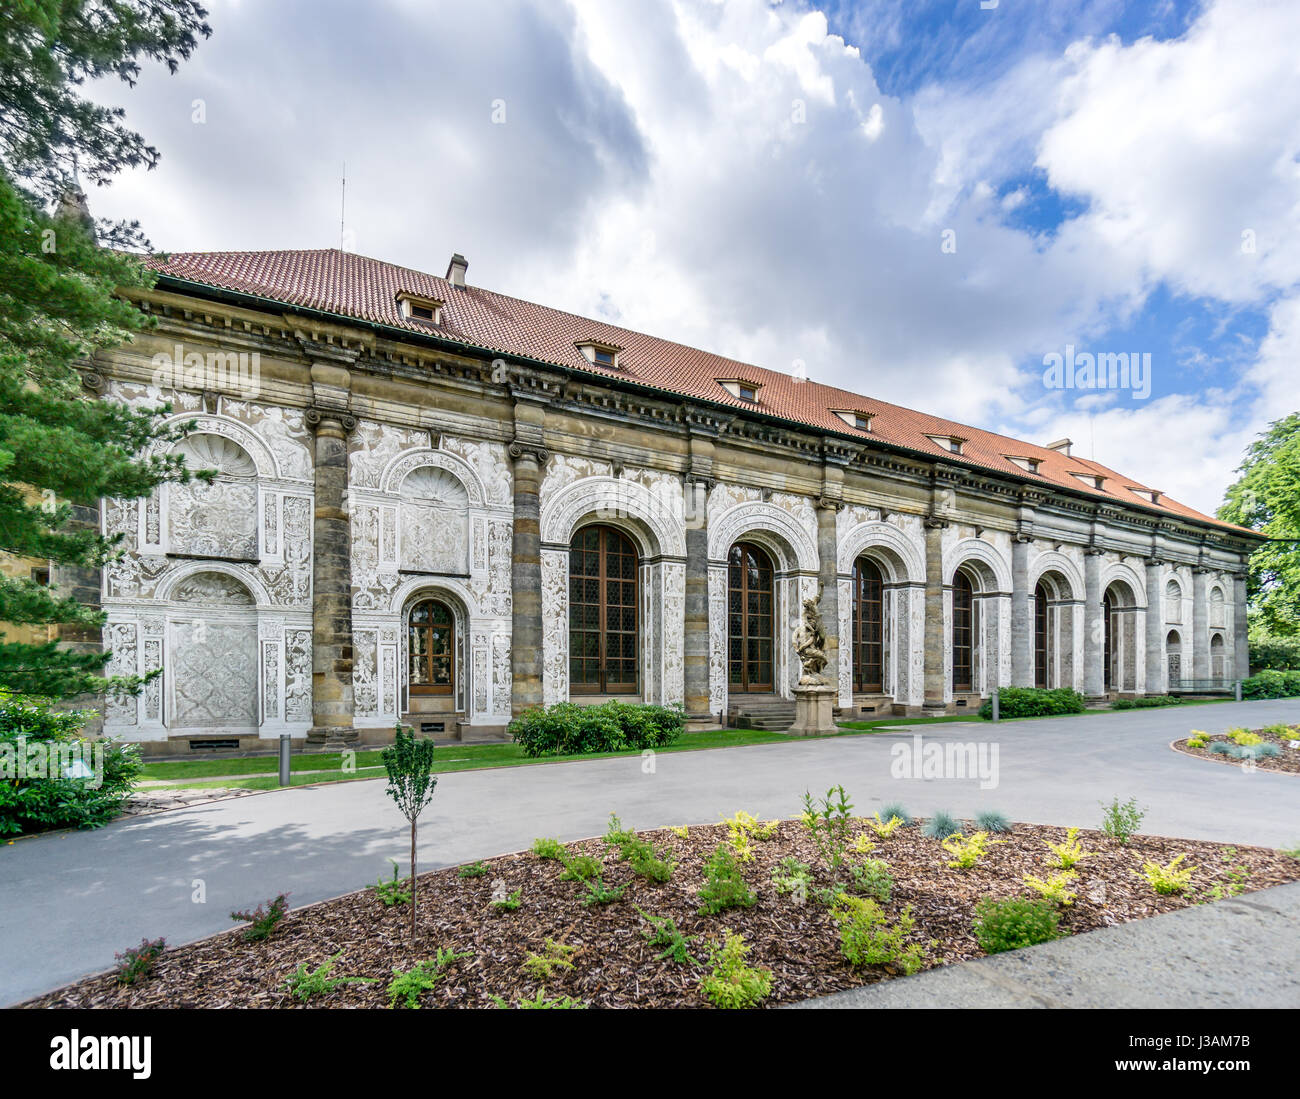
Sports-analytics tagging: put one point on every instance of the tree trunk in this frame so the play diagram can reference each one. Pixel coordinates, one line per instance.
(413, 881)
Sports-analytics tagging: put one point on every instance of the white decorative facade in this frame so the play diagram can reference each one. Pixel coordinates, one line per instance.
(389, 536)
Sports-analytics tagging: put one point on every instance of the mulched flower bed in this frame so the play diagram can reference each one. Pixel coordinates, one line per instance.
(614, 966)
(1287, 761)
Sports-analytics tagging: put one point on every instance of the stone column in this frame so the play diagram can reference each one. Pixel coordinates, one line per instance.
(1157, 663)
(331, 680)
(1240, 630)
(1022, 617)
(1200, 623)
(696, 657)
(1094, 628)
(84, 584)
(526, 656)
(935, 641)
(828, 577)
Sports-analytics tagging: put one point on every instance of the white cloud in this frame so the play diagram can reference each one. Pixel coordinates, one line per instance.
(732, 176)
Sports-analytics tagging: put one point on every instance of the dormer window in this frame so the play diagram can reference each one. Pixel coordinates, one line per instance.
(1029, 465)
(417, 308)
(1092, 480)
(855, 417)
(742, 388)
(949, 442)
(600, 354)
(1151, 495)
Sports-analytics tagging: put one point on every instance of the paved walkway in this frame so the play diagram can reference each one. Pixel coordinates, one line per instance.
(1242, 952)
(69, 901)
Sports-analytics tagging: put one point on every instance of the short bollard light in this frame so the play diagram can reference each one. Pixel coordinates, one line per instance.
(996, 714)
(284, 759)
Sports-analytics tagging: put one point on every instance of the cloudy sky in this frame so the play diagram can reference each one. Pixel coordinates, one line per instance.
(915, 199)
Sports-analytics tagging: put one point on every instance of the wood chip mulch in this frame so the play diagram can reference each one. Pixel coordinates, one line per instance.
(614, 966)
(1288, 761)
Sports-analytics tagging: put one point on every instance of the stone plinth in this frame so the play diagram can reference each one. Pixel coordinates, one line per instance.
(814, 710)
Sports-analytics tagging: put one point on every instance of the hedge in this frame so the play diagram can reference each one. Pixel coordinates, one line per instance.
(37, 747)
(567, 728)
(1280, 654)
(1034, 702)
(1145, 702)
(1271, 685)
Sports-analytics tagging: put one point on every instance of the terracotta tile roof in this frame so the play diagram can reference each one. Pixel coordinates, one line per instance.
(354, 286)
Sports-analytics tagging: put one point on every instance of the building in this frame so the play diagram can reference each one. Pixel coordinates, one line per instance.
(442, 505)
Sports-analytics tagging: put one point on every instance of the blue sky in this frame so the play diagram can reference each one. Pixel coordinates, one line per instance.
(916, 199)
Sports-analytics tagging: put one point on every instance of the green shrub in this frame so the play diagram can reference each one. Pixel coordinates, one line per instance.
(966, 851)
(554, 956)
(407, 987)
(599, 893)
(1070, 852)
(941, 825)
(581, 868)
(1174, 878)
(506, 902)
(393, 892)
(305, 984)
(732, 983)
(1121, 821)
(649, 864)
(1013, 923)
(473, 870)
(1034, 702)
(540, 1002)
(724, 887)
(871, 878)
(570, 729)
(792, 876)
(138, 961)
(830, 825)
(868, 938)
(1055, 889)
(992, 821)
(38, 748)
(263, 919)
(1271, 684)
(892, 810)
(663, 931)
(547, 848)
(1280, 654)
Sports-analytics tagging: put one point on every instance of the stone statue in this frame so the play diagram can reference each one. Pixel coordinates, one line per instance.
(810, 643)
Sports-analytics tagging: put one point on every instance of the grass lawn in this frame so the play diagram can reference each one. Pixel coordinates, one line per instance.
(262, 772)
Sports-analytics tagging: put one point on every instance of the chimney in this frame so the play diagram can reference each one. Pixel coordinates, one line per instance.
(456, 270)
(1061, 446)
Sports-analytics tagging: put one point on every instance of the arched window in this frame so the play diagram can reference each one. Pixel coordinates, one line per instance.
(749, 619)
(602, 613)
(1174, 658)
(963, 633)
(432, 636)
(1040, 635)
(868, 627)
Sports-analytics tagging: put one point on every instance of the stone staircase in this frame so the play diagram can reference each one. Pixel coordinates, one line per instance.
(769, 712)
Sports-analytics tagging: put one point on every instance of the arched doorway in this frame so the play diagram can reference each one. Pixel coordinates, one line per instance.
(1040, 635)
(1108, 644)
(963, 632)
(1174, 657)
(749, 619)
(431, 647)
(868, 627)
(603, 620)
